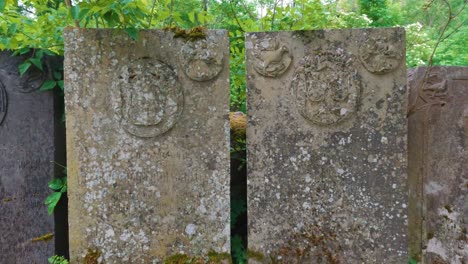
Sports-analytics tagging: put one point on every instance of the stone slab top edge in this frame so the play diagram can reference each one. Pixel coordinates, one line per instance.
(324, 29)
(122, 30)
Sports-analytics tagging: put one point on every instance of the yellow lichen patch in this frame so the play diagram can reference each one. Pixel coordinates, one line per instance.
(92, 257)
(6, 200)
(238, 122)
(191, 34)
(254, 255)
(212, 258)
(44, 238)
(219, 258)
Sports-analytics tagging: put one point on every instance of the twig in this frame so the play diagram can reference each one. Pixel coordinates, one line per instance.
(235, 16)
(151, 14)
(69, 6)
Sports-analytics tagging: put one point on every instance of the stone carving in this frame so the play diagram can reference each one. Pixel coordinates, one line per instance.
(3, 102)
(201, 60)
(327, 91)
(151, 98)
(380, 55)
(31, 80)
(271, 59)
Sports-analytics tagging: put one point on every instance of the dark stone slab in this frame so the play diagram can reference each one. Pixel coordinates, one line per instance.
(27, 147)
(438, 171)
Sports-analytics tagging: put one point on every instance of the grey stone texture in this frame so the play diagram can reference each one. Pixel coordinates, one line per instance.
(327, 146)
(148, 145)
(27, 148)
(438, 158)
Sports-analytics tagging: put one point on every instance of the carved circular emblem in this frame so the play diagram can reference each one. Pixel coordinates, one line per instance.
(270, 58)
(201, 60)
(3, 102)
(151, 98)
(380, 55)
(325, 88)
(31, 80)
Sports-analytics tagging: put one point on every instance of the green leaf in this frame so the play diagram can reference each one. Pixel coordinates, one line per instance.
(60, 84)
(37, 62)
(52, 200)
(2, 5)
(74, 12)
(48, 85)
(12, 28)
(132, 32)
(191, 16)
(23, 67)
(56, 184)
(57, 75)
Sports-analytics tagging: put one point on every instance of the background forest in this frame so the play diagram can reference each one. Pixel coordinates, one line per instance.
(431, 25)
(436, 34)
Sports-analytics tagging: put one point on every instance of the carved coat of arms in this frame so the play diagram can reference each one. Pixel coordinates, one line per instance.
(325, 88)
(270, 58)
(202, 60)
(151, 98)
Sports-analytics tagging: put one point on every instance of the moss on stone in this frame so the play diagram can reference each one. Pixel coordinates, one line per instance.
(212, 258)
(195, 33)
(92, 256)
(45, 238)
(251, 254)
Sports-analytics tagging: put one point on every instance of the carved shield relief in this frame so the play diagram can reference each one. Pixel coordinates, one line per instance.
(270, 58)
(3, 102)
(31, 80)
(325, 88)
(202, 60)
(151, 98)
(380, 55)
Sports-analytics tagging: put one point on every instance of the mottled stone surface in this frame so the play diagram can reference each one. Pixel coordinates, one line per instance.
(438, 158)
(27, 147)
(327, 146)
(148, 145)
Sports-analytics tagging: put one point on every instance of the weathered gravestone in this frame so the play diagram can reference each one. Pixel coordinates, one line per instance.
(438, 158)
(148, 145)
(327, 146)
(29, 142)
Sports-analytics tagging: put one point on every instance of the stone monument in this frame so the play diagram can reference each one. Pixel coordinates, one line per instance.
(148, 145)
(438, 157)
(28, 147)
(327, 146)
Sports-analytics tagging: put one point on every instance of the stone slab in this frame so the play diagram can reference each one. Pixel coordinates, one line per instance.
(27, 149)
(327, 146)
(438, 158)
(148, 145)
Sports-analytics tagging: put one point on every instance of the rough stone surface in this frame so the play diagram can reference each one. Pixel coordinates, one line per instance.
(327, 146)
(438, 171)
(148, 145)
(27, 147)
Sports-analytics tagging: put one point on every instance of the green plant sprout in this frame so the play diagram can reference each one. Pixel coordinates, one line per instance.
(59, 185)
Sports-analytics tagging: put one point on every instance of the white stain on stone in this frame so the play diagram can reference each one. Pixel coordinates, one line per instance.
(436, 247)
(433, 187)
(190, 229)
